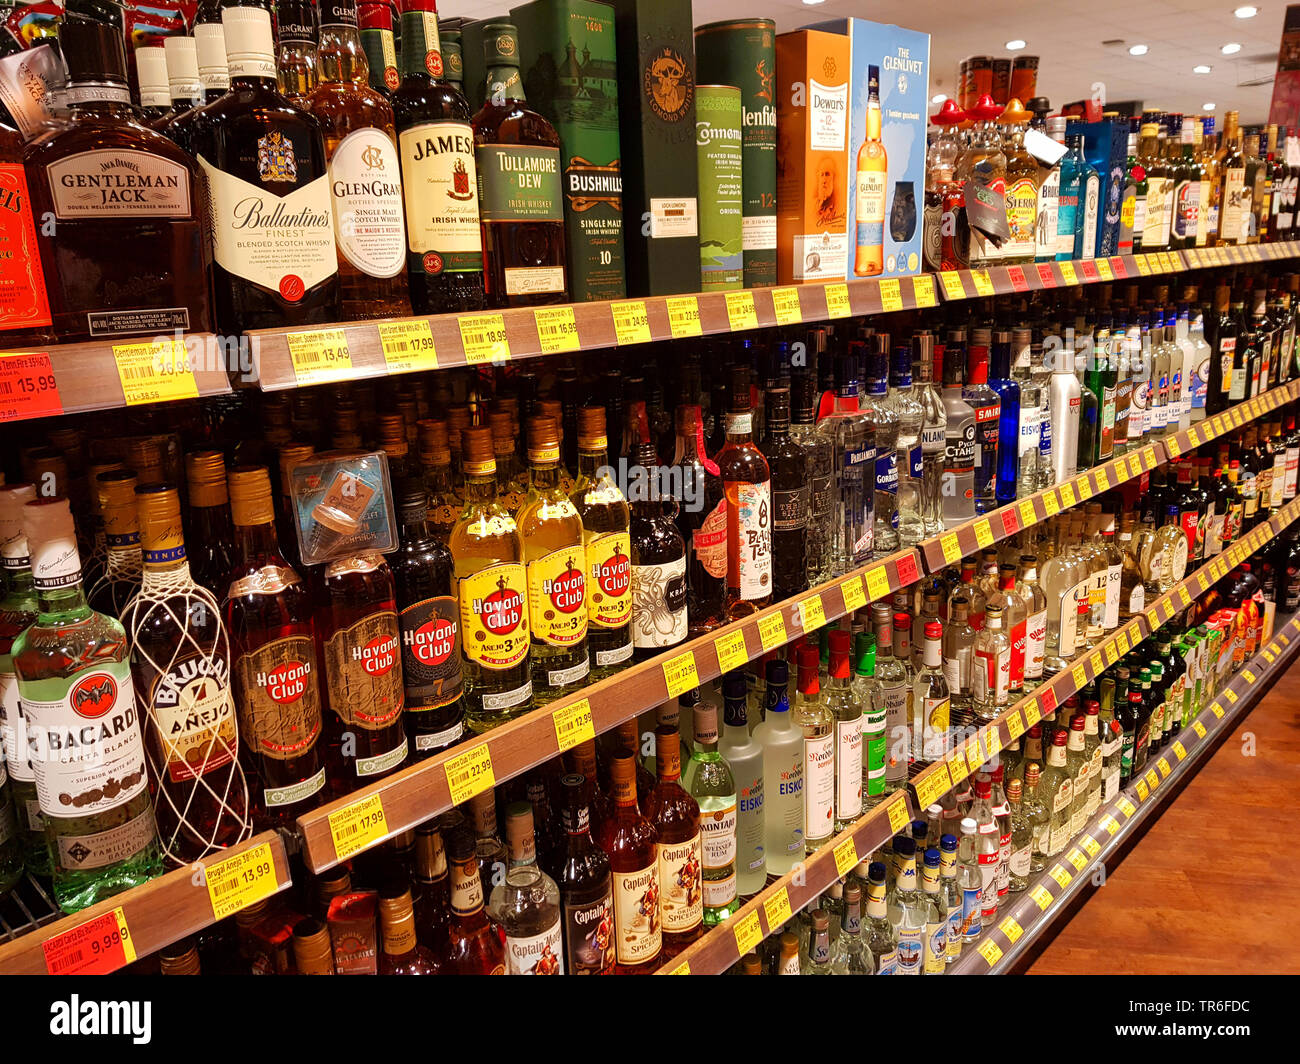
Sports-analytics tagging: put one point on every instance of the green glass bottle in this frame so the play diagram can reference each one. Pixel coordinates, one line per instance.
(709, 780)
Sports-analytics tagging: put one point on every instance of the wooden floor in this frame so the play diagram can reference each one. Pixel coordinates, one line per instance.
(1214, 886)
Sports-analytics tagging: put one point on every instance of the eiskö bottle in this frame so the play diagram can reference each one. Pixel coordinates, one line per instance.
(783, 782)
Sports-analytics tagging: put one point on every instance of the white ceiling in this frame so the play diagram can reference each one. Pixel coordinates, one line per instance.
(1066, 38)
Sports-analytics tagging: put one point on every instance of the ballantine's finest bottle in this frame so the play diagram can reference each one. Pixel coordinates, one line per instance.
(488, 555)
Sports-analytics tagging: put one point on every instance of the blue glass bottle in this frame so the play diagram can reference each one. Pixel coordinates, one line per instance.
(1008, 392)
(1067, 212)
(984, 402)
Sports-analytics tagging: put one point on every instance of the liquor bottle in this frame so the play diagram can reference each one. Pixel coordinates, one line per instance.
(269, 617)
(151, 73)
(938, 917)
(819, 471)
(896, 694)
(820, 959)
(211, 535)
(881, 938)
(431, 890)
(1063, 412)
(444, 249)
(525, 904)
(180, 660)
(849, 433)
(401, 952)
(297, 63)
(1232, 191)
(364, 176)
(659, 604)
(1021, 187)
(814, 717)
(517, 157)
(73, 663)
(788, 462)
(958, 481)
(710, 781)
(747, 483)
(883, 419)
(183, 84)
(931, 700)
(583, 875)
(487, 552)
(850, 954)
(429, 621)
(934, 428)
(782, 739)
(265, 169)
(123, 563)
(870, 187)
(703, 526)
(1056, 790)
(909, 910)
(150, 215)
(631, 842)
(1009, 477)
(377, 38)
(910, 411)
(846, 710)
(743, 753)
(474, 947)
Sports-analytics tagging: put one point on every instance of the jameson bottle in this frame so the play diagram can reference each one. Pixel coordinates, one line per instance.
(583, 876)
(376, 22)
(180, 658)
(607, 542)
(428, 618)
(747, 481)
(702, 523)
(659, 611)
(269, 616)
(488, 558)
(210, 543)
(89, 756)
(556, 569)
(790, 497)
(444, 246)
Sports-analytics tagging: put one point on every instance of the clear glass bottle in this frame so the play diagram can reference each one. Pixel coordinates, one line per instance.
(871, 696)
(850, 435)
(931, 700)
(937, 916)
(911, 912)
(970, 879)
(1035, 813)
(819, 457)
(896, 692)
(842, 702)
(990, 666)
(813, 715)
(782, 740)
(851, 955)
(709, 780)
(883, 411)
(820, 957)
(743, 753)
(526, 905)
(879, 934)
(958, 480)
(1022, 840)
(910, 455)
(958, 646)
(934, 429)
(1057, 790)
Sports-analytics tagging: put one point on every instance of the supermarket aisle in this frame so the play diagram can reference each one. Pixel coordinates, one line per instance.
(1212, 888)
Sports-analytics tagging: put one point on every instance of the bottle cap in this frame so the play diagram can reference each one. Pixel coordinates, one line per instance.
(94, 51)
(182, 62)
(205, 475)
(162, 539)
(706, 723)
(13, 542)
(248, 34)
(151, 70)
(179, 958)
(312, 950)
(250, 495)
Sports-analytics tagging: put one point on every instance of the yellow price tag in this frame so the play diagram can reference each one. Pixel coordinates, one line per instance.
(1015, 724)
(1109, 653)
(1085, 488)
(749, 932)
(891, 295)
(483, 336)
(957, 767)
(319, 355)
(923, 290)
(854, 597)
(1184, 598)
(1103, 479)
(1032, 713)
(992, 739)
(1144, 267)
(631, 322)
(1110, 824)
(952, 286)
(1149, 459)
(932, 785)
(777, 909)
(1080, 675)
(974, 753)
(358, 826)
(1028, 516)
(1076, 858)
(983, 283)
(951, 548)
(240, 880)
(1199, 728)
(1152, 778)
(1180, 751)
(1011, 929)
(682, 969)
(1051, 504)
(470, 773)
(1042, 897)
(1250, 676)
(1067, 495)
(573, 725)
(983, 533)
(1121, 641)
(1163, 765)
(731, 651)
(990, 951)
(1143, 792)
(785, 301)
(846, 856)
(408, 345)
(1218, 710)
(1134, 465)
(684, 316)
(1172, 446)
(1091, 845)
(877, 584)
(897, 812)
(771, 632)
(158, 371)
(1095, 662)
(1061, 876)
(837, 301)
(1231, 696)
(1125, 806)
(1104, 271)
(1067, 272)
(680, 674)
(812, 612)
(741, 312)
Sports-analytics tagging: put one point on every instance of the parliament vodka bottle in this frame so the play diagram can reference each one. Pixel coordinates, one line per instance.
(934, 429)
(958, 481)
(884, 426)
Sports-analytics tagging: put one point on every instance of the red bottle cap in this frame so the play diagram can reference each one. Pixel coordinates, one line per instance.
(949, 114)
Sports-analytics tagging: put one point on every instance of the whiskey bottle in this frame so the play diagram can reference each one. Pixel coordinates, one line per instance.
(431, 631)
(631, 842)
(180, 659)
(214, 81)
(72, 666)
(790, 497)
(364, 177)
(401, 952)
(183, 83)
(123, 562)
(298, 63)
(488, 557)
(747, 481)
(659, 609)
(869, 188)
(474, 947)
(517, 156)
(274, 258)
(268, 614)
(444, 250)
(151, 72)
(211, 535)
(24, 306)
(607, 543)
(703, 525)
(377, 39)
(117, 192)
(586, 897)
(557, 570)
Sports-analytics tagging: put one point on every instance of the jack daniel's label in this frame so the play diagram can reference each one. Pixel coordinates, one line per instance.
(364, 681)
(279, 702)
(431, 653)
(192, 708)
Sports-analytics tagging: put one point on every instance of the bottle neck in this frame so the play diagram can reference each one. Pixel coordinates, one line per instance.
(421, 47)
(258, 539)
(342, 58)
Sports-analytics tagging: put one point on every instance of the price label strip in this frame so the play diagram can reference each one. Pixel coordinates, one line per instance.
(483, 337)
(741, 312)
(360, 825)
(680, 674)
(785, 302)
(97, 947)
(731, 651)
(771, 632)
(573, 725)
(777, 909)
(846, 856)
(240, 880)
(28, 387)
(684, 316)
(932, 785)
(408, 345)
(557, 329)
(854, 597)
(631, 322)
(158, 371)
(749, 933)
(470, 773)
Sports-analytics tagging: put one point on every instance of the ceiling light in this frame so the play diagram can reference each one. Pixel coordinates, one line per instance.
(938, 97)
(1015, 46)
(810, 3)
(1207, 107)
(1202, 69)
(1230, 49)
(1246, 12)
(1137, 49)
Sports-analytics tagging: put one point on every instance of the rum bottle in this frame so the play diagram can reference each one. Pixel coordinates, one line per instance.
(659, 610)
(703, 524)
(747, 482)
(678, 851)
(631, 842)
(211, 536)
(586, 897)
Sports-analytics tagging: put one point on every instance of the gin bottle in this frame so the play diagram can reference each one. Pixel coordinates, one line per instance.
(934, 428)
(709, 780)
(881, 938)
(883, 413)
(744, 754)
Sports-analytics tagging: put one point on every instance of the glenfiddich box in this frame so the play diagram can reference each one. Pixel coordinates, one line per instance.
(656, 64)
(568, 65)
(812, 169)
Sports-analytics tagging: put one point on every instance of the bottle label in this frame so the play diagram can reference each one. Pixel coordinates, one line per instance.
(431, 653)
(14, 730)
(680, 865)
(955, 935)
(519, 183)
(934, 740)
(1035, 644)
(281, 243)
(439, 740)
(23, 300)
(192, 708)
(870, 205)
(589, 934)
(609, 584)
(790, 509)
(718, 835)
(887, 472)
(440, 188)
(936, 946)
(1069, 622)
(753, 532)
(911, 950)
(118, 183)
(897, 728)
(1063, 796)
(1031, 429)
(494, 616)
(279, 700)
(361, 666)
(557, 597)
(659, 604)
(103, 848)
(1236, 203)
(848, 769)
(956, 669)
(971, 911)
(466, 888)
(819, 787)
(91, 754)
(1019, 862)
(539, 954)
(1022, 217)
(366, 187)
(991, 676)
(710, 541)
(823, 497)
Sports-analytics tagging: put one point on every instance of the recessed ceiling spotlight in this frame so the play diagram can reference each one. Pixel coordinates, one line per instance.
(1137, 49)
(811, 3)
(1015, 46)
(1247, 11)
(1230, 49)
(1202, 69)
(1207, 107)
(938, 97)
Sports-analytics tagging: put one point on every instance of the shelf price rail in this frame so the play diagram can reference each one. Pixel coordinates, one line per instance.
(381, 810)
(725, 944)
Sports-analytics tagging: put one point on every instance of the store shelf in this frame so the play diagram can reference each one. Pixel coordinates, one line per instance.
(1029, 915)
(153, 915)
(389, 806)
(1233, 418)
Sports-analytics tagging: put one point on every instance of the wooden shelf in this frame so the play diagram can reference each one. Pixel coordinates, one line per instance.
(1234, 417)
(165, 909)
(425, 789)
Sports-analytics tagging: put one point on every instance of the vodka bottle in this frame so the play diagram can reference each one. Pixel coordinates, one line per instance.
(891, 674)
(881, 938)
(934, 427)
(883, 412)
(744, 753)
(821, 477)
(909, 910)
(958, 482)
(911, 471)
(849, 433)
(931, 704)
(1030, 422)
(988, 410)
(971, 881)
(783, 783)
(1063, 411)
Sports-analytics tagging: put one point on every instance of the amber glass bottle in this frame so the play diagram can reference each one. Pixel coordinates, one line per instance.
(210, 543)
(703, 524)
(747, 482)
(630, 841)
(676, 819)
(400, 949)
(474, 946)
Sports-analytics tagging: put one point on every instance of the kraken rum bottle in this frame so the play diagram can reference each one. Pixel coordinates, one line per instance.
(74, 679)
(607, 544)
(747, 482)
(429, 619)
(557, 569)
(180, 658)
(488, 559)
(659, 613)
(268, 614)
